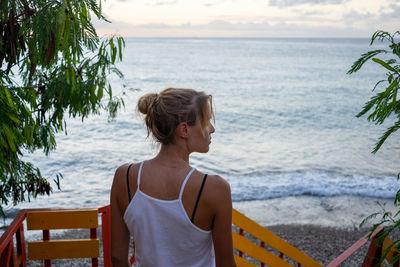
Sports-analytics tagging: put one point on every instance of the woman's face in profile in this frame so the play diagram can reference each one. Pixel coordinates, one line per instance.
(200, 138)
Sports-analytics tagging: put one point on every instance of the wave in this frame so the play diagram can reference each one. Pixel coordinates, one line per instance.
(312, 183)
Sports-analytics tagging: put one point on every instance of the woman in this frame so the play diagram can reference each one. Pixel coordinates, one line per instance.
(178, 216)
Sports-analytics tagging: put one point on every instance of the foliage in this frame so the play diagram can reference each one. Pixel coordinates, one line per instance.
(386, 102)
(52, 65)
(381, 106)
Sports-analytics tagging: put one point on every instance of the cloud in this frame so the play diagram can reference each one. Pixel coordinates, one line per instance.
(283, 3)
(222, 28)
(393, 13)
(354, 16)
(213, 3)
(162, 3)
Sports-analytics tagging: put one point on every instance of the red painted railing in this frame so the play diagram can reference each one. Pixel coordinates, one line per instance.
(105, 229)
(8, 255)
(262, 244)
(14, 255)
(351, 250)
(13, 251)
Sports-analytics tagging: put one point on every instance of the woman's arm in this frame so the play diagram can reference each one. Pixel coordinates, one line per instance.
(222, 229)
(120, 236)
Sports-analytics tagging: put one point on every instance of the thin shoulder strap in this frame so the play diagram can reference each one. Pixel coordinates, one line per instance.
(138, 179)
(127, 182)
(139, 174)
(198, 198)
(184, 182)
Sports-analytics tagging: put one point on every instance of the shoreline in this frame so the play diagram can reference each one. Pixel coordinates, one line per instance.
(343, 212)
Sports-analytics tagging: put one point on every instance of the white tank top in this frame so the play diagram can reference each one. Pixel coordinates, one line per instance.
(163, 233)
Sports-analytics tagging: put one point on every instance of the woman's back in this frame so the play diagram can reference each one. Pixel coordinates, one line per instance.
(174, 239)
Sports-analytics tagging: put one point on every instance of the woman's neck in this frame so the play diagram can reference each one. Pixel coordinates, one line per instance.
(173, 156)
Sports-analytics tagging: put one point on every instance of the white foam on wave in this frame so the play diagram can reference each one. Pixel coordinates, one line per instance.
(315, 183)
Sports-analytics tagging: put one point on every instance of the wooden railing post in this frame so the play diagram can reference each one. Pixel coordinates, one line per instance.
(105, 229)
(263, 246)
(241, 233)
(46, 237)
(374, 253)
(21, 250)
(8, 255)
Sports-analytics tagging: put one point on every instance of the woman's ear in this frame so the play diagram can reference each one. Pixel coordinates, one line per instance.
(183, 130)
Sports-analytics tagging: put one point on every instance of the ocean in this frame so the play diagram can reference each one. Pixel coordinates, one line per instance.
(285, 122)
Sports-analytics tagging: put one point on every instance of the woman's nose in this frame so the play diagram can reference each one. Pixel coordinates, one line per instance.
(212, 130)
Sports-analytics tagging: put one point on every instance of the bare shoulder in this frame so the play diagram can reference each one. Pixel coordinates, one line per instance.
(218, 187)
(218, 181)
(120, 173)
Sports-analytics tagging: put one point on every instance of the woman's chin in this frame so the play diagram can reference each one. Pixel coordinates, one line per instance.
(205, 150)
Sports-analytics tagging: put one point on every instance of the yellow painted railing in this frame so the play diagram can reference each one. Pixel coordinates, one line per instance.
(271, 251)
(47, 249)
(264, 248)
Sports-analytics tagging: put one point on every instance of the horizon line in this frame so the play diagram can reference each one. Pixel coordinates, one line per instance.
(234, 37)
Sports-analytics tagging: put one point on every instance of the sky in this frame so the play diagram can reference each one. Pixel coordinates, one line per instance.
(248, 18)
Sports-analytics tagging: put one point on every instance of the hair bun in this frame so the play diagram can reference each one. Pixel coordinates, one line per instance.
(145, 103)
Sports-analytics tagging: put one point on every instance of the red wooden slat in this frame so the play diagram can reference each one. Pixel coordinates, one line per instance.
(21, 250)
(348, 252)
(11, 255)
(5, 256)
(374, 254)
(95, 262)
(132, 259)
(93, 235)
(241, 233)
(46, 236)
(105, 228)
(11, 229)
(263, 246)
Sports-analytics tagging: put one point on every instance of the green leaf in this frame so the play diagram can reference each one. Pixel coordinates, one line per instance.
(10, 138)
(381, 35)
(383, 138)
(384, 64)
(379, 82)
(120, 44)
(37, 95)
(13, 118)
(364, 58)
(390, 78)
(8, 96)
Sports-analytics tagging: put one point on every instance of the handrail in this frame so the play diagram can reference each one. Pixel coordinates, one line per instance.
(8, 257)
(351, 250)
(106, 234)
(266, 237)
(13, 255)
(105, 229)
(7, 253)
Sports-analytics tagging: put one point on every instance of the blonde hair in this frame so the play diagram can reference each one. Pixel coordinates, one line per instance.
(164, 111)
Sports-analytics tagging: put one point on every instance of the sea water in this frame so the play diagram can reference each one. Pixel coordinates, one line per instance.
(285, 121)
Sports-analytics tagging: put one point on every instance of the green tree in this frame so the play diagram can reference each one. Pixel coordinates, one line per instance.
(382, 105)
(52, 65)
